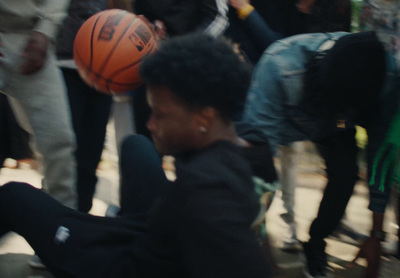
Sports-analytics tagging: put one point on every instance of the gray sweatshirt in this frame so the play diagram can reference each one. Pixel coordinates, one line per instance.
(44, 16)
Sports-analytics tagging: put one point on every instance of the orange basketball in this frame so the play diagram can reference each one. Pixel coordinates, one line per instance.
(108, 49)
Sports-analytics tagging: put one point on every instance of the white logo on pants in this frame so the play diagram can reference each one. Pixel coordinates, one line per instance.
(62, 235)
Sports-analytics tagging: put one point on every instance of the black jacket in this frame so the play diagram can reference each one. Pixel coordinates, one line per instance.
(201, 226)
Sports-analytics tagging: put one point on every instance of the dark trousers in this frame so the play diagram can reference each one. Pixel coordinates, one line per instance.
(14, 141)
(340, 154)
(90, 112)
(141, 111)
(142, 178)
(75, 244)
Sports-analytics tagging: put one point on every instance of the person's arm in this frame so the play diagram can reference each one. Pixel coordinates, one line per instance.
(256, 27)
(34, 55)
(382, 167)
(214, 17)
(216, 239)
(371, 248)
(52, 14)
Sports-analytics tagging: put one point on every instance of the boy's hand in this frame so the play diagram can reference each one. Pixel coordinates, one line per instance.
(158, 27)
(371, 251)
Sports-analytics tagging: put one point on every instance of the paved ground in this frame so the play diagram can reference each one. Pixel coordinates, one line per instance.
(15, 252)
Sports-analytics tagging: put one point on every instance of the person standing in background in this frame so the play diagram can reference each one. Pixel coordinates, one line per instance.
(35, 88)
(90, 109)
(382, 17)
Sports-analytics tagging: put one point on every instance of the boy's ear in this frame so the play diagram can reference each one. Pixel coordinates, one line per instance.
(205, 117)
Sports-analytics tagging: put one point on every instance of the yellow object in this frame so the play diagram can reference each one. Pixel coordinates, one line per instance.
(361, 137)
(245, 11)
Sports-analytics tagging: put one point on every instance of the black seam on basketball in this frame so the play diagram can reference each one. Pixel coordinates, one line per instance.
(106, 60)
(115, 73)
(91, 40)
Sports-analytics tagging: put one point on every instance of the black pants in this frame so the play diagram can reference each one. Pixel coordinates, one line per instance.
(75, 244)
(14, 141)
(340, 154)
(141, 111)
(90, 111)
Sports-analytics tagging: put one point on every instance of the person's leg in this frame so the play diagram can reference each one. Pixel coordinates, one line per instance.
(19, 138)
(340, 154)
(40, 104)
(37, 217)
(90, 112)
(29, 212)
(142, 176)
(141, 111)
(70, 243)
(288, 182)
(123, 119)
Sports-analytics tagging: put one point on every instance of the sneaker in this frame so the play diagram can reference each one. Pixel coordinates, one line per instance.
(36, 262)
(316, 262)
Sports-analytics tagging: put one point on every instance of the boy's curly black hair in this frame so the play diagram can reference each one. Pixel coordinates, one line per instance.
(201, 70)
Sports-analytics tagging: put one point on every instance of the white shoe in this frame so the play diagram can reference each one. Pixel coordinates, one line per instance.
(36, 262)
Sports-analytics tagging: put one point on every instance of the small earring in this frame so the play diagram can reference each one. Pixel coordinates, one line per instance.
(202, 129)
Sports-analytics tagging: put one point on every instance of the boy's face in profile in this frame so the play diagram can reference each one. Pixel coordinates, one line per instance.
(171, 123)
